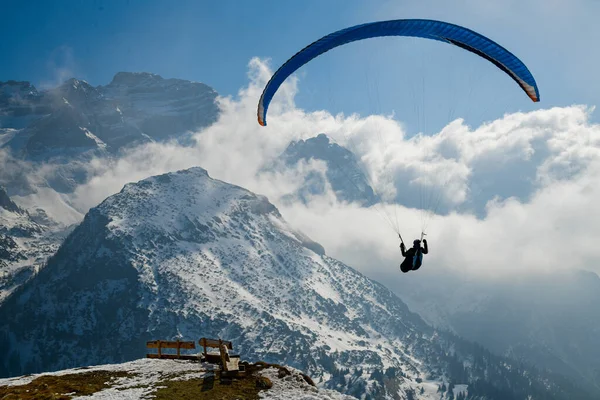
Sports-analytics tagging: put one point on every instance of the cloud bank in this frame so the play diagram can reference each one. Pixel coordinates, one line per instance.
(518, 194)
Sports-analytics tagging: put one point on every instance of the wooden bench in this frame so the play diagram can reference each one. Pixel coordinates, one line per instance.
(229, 362)
(163, 344)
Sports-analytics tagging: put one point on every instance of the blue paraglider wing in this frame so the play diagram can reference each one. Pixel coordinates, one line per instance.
(428, 29)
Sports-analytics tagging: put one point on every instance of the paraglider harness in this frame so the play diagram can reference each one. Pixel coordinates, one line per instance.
(415, 261)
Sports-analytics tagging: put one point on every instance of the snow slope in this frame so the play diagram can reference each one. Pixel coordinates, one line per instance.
(25, 244)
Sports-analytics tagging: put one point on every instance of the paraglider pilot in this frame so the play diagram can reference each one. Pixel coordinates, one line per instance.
(413, 256)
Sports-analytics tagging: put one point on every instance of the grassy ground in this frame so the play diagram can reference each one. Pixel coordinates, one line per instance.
(212, 386)
(61, 387)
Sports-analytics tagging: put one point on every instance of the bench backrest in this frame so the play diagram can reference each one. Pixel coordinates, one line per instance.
(165, 344)
(215, 343)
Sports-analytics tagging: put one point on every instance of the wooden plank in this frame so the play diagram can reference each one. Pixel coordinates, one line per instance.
(232, 364)
(170, 345)
(205, 342)
(173, 356)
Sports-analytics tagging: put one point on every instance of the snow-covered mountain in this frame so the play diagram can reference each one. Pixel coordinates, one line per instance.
(76, 117)
(26, 241)
(343, 173)
(68, 125)
(20, 103)
(52, 134)
(184, 255)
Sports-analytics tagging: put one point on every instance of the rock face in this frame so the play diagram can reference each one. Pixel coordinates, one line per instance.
(343, 173)
(20, 102)
(76, 117)
(7, 204)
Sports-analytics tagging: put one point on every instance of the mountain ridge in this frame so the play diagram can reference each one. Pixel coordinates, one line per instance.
(133, 108)
(180, 253)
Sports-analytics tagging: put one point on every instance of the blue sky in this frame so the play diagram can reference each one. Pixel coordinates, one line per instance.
(424, 84)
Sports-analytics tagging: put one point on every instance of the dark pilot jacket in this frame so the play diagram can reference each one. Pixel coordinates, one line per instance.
(413, 257)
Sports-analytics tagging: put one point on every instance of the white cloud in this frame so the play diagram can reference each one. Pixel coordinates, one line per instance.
(552, 227)
(522, 190)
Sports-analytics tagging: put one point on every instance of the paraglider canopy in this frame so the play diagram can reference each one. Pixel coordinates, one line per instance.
(428, 29)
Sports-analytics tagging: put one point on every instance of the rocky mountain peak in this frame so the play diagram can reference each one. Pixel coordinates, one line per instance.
(7, 204)
(135, 79)
(344, 172)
